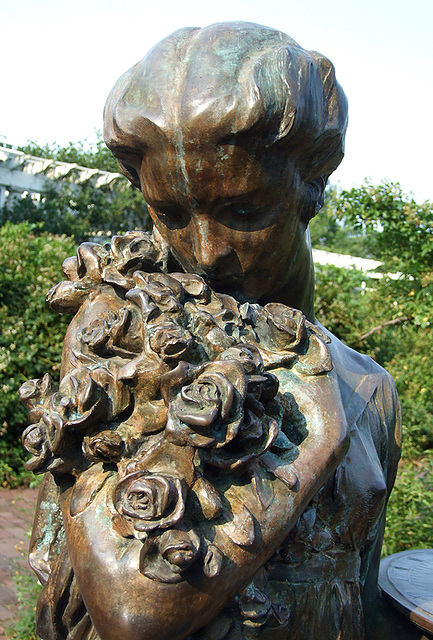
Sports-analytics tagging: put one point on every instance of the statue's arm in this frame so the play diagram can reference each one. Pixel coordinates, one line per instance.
(110, 569)
(180, 472)
(388, 442)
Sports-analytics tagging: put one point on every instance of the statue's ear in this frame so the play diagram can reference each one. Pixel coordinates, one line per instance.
(317, 190)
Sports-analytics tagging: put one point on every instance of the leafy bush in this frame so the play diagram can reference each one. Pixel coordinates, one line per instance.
(31, 337)
(382, 222)
(332, 232)
(409, 517)
(81, 211)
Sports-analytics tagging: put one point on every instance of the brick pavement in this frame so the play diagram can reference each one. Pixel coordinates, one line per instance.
(17, 507)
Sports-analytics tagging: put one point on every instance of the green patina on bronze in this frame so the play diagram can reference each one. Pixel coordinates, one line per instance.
(219, 462)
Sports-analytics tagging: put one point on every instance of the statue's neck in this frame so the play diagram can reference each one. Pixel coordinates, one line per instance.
(298, 289)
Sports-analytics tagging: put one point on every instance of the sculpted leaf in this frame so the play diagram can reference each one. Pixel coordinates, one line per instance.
(240, 526)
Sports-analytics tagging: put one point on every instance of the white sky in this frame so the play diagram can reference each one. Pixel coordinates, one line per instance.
(60, 59)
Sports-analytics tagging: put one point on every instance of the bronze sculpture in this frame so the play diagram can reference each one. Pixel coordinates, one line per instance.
(219, 464)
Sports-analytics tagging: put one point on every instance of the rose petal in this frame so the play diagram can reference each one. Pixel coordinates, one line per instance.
(240, 528)
(67, 297)
(212, 562)
(91, 257)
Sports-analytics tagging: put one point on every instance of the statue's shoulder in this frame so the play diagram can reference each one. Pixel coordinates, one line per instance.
(360, 378)
(354, 366)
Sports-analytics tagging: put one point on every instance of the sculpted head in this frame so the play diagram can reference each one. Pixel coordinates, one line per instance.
(230, 132)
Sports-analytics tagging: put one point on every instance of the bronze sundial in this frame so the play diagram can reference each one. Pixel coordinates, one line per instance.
(407, 578)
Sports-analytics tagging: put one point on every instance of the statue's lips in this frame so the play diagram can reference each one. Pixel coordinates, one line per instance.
(236, 285)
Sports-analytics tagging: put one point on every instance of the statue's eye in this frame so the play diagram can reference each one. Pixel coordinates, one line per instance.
(173, 216)
(131, 173)
(241, 211)
(244, 214)
(248, 206)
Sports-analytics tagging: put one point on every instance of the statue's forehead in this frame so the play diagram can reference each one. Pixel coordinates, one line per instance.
(203, 172)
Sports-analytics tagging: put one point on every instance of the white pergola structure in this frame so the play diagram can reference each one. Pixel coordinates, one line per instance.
(22, 174)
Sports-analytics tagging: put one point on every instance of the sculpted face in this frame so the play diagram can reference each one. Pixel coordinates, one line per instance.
(228, 215)
(205, 125)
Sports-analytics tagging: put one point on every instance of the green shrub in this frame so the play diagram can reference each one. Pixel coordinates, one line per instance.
(32, 335)
(81, 211)
(409, 517)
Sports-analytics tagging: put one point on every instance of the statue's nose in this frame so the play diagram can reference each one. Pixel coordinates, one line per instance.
(214, 255)
(216, 262)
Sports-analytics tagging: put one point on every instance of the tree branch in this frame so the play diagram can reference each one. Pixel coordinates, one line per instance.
(381, 326)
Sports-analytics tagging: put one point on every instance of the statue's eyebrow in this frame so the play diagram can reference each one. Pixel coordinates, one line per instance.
(123, 150)
(161, 204)
(237, 197)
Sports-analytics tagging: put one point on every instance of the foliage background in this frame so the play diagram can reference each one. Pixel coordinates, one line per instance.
(30, 340)
(388, 317)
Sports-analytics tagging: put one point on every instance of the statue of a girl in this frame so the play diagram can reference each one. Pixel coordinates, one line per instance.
(218, 463)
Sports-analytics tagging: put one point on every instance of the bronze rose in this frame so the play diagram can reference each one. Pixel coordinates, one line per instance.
(80, 400)
(194, 286)
(134, 250)
(105, 332)
(36, 395)
(170, 341)
(208, 412)
(247, 354)
(35, 440)
(168, 556)
(106, 445)
(52, 447)
(149, 501)
(255, 437)
(55, 416)
(286, 325)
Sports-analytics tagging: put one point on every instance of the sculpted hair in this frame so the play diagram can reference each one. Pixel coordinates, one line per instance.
(231, 83)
